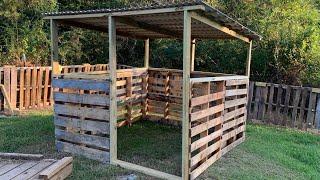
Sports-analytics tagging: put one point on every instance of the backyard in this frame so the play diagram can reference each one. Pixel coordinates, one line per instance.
(267, 153)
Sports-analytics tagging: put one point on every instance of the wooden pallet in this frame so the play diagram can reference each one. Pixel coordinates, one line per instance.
(24, 167)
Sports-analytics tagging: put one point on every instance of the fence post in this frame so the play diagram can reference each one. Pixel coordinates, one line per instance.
(317, 122)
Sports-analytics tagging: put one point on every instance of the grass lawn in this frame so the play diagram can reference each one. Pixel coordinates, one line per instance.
(267, 153)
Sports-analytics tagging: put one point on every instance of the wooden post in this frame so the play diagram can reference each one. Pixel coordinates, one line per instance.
(317, 121)
(113, 89)
(146, 53)
(186, 94)
(193, 54)
(54, 40)
(13, 87)
(249, 59)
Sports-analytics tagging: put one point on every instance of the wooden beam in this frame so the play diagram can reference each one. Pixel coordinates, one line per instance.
(186, 94)
(193, 53)
(147, 171)
(213, 24)
(54, 40)
(248, 65)
(96, 28)
(148, 27)
(127, 13)
(146, 53)
(113, 88)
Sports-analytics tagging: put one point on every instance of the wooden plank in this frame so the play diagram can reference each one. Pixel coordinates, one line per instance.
(302, 123)
(13, 87)
(248, 63)
(224, 29)
(286, 106)
(86, 125)
(46, 87)
(146, 53)
(233, 123)
(20, 156)
(205, 126)
(233, 133)
(203, 154)
(295, 107)
(196, 172)
(250, 96)
(91, 99)
(206, 112)
(270, 104)
(28, 88)
(262, 103)
(6, 82)
(317, 118)
(64, 173)
(232, 145)
(49, 172)
(278, 106)
(200, 142)
(91, 140)
(39, 87)
(311, 108)
(95, 154)
(113, 89)
(54, 40)
(256, 102)
(8, 167)
(186, 94)
(236, 92)
(18, 170)
(206, 98)
(34, 87)
(235, 102)
(236, 82)
(32, 172)
(148, 171)
(92, 113)
(234, 113)
(21, 87)
(81, 84)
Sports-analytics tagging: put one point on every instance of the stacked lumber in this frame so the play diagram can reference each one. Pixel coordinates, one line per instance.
(15, 166)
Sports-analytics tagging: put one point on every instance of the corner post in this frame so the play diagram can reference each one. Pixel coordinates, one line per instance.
(146, 53)
(186, 94)
(248, 65)
(193, 54)
(54, 41)
(113, 89)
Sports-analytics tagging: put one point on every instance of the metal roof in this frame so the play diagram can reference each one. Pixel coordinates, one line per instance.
(166, 19)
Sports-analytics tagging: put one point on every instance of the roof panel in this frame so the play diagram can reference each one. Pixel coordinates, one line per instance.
(160, 23)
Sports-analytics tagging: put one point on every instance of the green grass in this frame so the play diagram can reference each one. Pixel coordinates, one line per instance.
(267, 153)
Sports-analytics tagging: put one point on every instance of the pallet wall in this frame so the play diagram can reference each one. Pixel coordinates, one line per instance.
(165, 96)
(131, 94)
(81, 116)
(217, 121)
(30, 87)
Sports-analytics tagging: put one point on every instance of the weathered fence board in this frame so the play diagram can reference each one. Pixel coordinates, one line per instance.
(285, 105)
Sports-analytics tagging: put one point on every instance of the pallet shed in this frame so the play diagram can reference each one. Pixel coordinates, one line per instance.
(210, 107)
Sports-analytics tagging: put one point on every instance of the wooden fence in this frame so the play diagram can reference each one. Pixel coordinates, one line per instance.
(285, 105)
(30, 87)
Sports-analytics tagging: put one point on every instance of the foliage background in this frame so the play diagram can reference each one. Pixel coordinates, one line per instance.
(289, 52)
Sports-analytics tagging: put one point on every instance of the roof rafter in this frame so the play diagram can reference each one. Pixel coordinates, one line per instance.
(149, 27)
(215, 25)
(96, 28)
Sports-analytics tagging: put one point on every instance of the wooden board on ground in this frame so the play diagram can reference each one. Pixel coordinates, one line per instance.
(32, 167)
